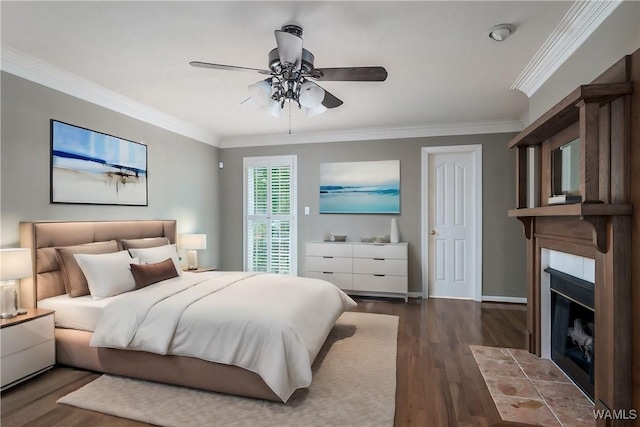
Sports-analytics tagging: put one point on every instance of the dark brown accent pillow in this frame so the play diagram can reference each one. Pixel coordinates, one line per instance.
(148, 274)
(148, 242)
(75, 283)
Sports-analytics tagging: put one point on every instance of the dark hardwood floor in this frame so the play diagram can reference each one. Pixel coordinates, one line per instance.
(439, 383)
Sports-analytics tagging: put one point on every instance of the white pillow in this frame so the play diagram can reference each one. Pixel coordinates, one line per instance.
(107, 274)
(157, 254)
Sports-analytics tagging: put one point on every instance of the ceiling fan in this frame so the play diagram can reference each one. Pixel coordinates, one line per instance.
(291, 71)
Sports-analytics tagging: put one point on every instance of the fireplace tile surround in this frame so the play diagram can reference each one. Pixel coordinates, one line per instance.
(531, 390)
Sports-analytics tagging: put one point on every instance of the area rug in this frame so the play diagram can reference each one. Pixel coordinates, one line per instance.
(354, 384)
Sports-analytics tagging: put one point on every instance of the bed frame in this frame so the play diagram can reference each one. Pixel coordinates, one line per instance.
(72, 346)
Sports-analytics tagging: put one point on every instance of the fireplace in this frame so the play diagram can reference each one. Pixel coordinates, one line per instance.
(572, 328)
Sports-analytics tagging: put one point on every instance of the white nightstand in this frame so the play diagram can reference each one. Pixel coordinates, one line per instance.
(27, 346)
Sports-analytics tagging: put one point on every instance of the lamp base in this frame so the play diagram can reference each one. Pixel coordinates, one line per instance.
(192, 260)
(8, 315)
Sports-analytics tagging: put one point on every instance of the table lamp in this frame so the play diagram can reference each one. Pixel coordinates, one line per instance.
(15, 263)
(192, 243)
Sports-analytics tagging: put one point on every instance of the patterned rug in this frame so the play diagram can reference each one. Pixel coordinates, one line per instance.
(531, 390)
(354, 384)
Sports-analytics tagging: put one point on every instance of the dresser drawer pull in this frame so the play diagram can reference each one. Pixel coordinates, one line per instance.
(378, 259)
(379, 275)
(326, 256)
(327, 272)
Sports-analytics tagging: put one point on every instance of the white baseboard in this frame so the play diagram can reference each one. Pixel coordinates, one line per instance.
(495, 298)
(415, 295)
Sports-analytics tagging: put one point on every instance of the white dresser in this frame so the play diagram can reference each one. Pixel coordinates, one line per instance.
(376, 269)
(27, 346)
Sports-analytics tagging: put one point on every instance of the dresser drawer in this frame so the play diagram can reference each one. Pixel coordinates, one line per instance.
(369, 282)
(341, 280)
(18, 337)
(329, 249)
(330, 264)
(380, 251)
(393, 267)
(24, 363)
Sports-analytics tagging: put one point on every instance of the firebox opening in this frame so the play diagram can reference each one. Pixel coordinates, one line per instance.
(572, 328)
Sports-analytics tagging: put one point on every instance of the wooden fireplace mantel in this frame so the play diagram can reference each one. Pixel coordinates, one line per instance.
(599, 227)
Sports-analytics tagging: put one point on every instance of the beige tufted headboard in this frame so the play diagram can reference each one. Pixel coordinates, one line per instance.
(43, 237)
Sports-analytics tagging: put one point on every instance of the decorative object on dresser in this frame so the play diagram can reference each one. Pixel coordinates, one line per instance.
(192, 243)
(15, 264)
(395, 232)
(28, 346)
(370, 269)
(360, 187)
(94, 168)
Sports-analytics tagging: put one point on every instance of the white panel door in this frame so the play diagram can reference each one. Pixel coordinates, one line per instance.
(451, 226)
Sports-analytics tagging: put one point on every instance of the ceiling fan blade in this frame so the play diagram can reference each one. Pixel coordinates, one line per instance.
(226, 67)
(350, 74)
(289, 48)
(330, 101)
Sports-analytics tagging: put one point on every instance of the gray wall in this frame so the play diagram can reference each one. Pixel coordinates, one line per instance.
(503, 239)
(183, 173)
(617, 36)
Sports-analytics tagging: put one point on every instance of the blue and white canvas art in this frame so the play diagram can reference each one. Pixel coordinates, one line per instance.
(90, 167)
(360, 187)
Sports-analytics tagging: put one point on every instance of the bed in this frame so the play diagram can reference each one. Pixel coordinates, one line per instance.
(267, 355)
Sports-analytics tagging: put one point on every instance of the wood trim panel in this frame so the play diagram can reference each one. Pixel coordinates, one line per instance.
(613, 311)
(634, 170)
(620, 149)
(570, 246)
(521, 177)
(589, 156)
(604, 134)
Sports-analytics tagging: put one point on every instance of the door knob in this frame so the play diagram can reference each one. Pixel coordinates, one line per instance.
(432, 232)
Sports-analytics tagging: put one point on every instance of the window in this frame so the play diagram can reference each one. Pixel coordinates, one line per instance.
(270, 227)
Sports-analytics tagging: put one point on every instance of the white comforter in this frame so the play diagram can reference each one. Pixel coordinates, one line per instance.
(269, 324)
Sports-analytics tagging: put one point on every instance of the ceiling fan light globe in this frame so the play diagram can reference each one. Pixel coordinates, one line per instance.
(311, 95)
(273, 108)
(317, 110)
(260, 92)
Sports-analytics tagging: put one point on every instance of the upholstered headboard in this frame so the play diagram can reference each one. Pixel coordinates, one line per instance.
(43, 237)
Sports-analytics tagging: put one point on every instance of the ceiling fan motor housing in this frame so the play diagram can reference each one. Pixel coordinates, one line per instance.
(305, 67)
(293, 29)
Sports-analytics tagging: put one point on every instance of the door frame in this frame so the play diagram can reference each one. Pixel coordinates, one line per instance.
(476, 151)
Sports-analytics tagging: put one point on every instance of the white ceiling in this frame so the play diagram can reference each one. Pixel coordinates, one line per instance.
(443, 68)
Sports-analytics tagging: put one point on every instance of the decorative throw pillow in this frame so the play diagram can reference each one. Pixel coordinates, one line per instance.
(148, 242)
(107, 274)
(147, 274)
(75, 283)
(160, 253)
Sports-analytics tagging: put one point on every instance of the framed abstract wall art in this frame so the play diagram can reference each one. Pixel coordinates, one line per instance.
(89, 167)
(360, 187)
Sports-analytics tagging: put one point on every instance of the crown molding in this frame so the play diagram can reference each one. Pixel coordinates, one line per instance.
(580, 21)
(22, 65)
(18, 63)
(444, 129)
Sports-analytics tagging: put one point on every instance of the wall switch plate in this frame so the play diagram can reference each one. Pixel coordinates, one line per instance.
(306, 210)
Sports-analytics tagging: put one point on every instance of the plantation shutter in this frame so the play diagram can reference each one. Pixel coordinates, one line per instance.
(270, 215)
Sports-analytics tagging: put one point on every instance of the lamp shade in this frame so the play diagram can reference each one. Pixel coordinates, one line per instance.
(15, 263)
(194, 241)
(311, 95)
(260, 92)
(318, 109)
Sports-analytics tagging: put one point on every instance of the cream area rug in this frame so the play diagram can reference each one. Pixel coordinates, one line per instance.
(354, 384)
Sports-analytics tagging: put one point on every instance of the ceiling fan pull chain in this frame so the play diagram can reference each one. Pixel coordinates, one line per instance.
(289, 117)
